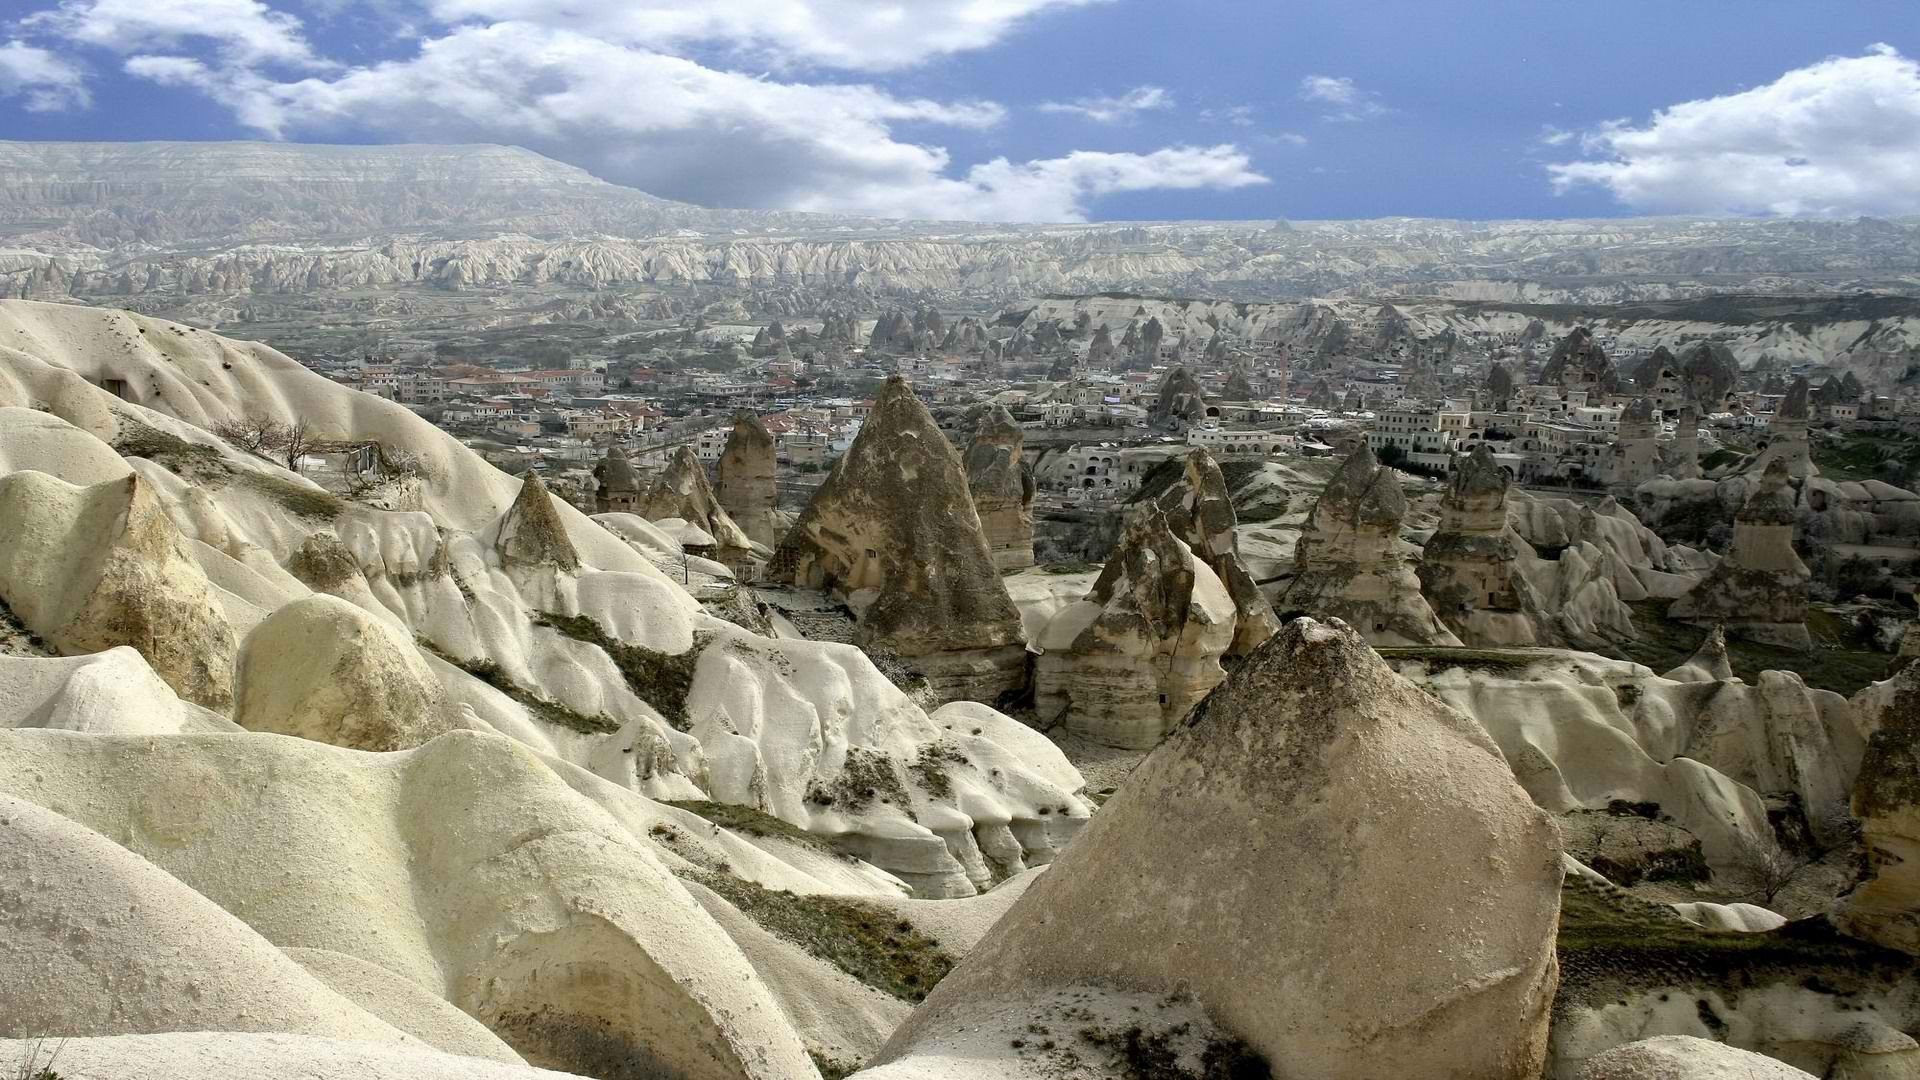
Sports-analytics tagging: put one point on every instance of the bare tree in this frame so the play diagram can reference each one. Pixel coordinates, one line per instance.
(298, 440)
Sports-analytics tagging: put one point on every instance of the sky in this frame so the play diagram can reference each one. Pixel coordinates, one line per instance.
(1042, 110)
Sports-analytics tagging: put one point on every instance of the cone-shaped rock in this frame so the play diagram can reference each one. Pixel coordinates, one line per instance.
(1470, 567)
(1200, 512)
(894, 531)
(89, 568)
(1759, 591)
(619, 488)
(532, 534)
(682, 492)
(1002, 488)
(1349, 563)
(1125, 664)
(1181, 401)
(745, 480)
(1339, 869)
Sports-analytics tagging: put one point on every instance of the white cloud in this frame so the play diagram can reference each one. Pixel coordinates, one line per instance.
(868, 35)
(245, 31)
(1344, 101)
(671, 126)
(1553, 136)
(48, 82)
(1113, 110)
(1056, 189)
(1838, 137)
(1237, 115)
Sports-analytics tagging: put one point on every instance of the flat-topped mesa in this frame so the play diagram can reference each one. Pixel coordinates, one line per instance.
(682, 492)
(1350, 561)
(1313, 798)
(1124, 665)
(531, 532)
(894, 533)
(1787, 434)
(619, 488)
(745, 480)
(1759, 591)
(1200, 512)
(1181, 402)
(1002, 488)
(1470, 567)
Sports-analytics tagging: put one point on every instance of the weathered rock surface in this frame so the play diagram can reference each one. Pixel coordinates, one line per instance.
(1470, 568)
(1126, 664)
(223, 1055)
(1003, 489)
(323, 669)
(1351, 564)
(1180, 403)
(1886, 799)
(531, 533)
(1200, 511)
(681, 492)
(744, 480)
(1683, 1057)
(1314, 796)
(894, 531)
(1759, 591)
(91, 568)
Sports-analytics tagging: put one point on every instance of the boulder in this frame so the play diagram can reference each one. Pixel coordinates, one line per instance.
(1683, 1057)
(1314, 798)
(322, 669)
(90, 568)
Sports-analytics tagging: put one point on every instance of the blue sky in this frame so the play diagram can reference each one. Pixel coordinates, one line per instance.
(1286, 108)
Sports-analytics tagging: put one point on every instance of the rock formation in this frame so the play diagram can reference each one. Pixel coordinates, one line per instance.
(1499, 386)
(89, 568)
(1470, 567)
(1684, 458)
(682, 493)
(1636, 449)
(532, 534)
(1787, 434)
(1579, 363)
(1684, 1057)
(1199, 510)
(1125, 665)
(1180, 403)
(1295, 809)
(1002, 488)
(323, 669)
(1711, 374)
(894, 531)
(1759, 591)
(1886, 906)
(745, 480)
(617, 489)
(1351, 564)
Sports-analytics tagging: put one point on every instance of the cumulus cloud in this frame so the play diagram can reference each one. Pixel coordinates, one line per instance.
(1113, 110)
(1341, 99)
(46, 82)
(1838, 137)
(852, 34)
(246, 32)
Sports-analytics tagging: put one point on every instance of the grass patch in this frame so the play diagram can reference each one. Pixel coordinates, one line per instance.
(1663, 646)
(1440, 658)
(1070, 568)
(930, 768)
(1611, 945)
(307, 502)
(865, 776)
(190, 461)
(832, 1068)
(662, 680)
(1722, 456)
(1865, 457)
(745, 819)
(545, 708)
(866, 941)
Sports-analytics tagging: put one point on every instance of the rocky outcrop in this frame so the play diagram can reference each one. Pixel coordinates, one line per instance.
(1683, 458)
(323, 669)
(1124, 665)
(745, 480)
(1200, 511)
(1684, 1057)
(682, 493)
(1470, 568)
(1636, 449)
(1002, 487)
(531, 533)
(1351, 564)
(1710, 374)
(1886, 800)
(1181, 402)
(1759, 591)
(89, 568)
(1579, 363)
(1296, 809)
(617, 486)
(1787, 434)
(894, 532)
